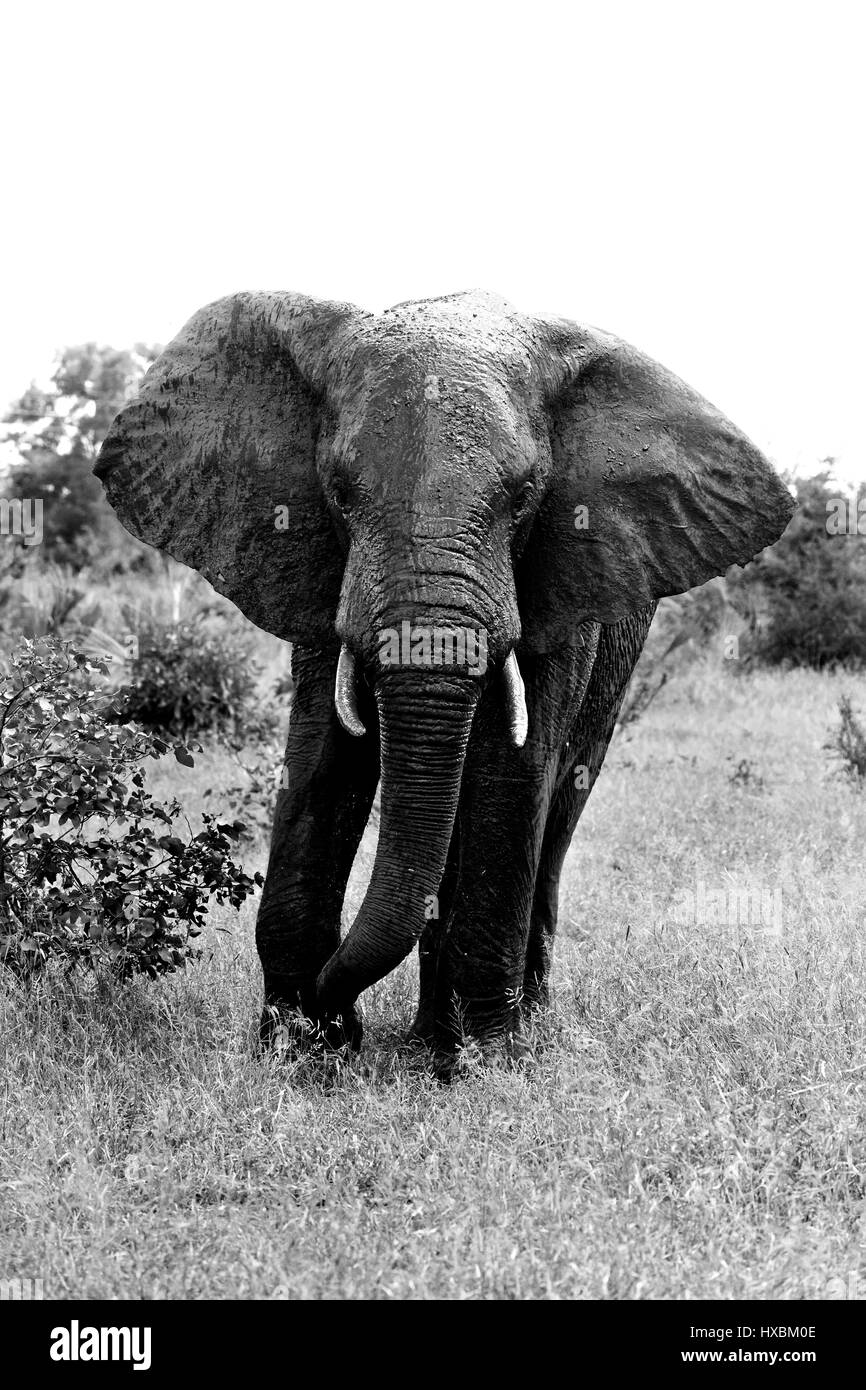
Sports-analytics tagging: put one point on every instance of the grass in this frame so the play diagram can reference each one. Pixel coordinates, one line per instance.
(691, 1125)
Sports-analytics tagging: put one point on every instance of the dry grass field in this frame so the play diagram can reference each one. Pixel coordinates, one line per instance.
(691, 1126)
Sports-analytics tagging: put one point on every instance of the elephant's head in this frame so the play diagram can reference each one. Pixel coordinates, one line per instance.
(425, 491)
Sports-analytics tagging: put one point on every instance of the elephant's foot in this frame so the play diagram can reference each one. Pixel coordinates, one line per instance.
(472, 1038)
(506, 1052)
(423, 1030)
(292, 1023)
(292, 1033)
(535, 999)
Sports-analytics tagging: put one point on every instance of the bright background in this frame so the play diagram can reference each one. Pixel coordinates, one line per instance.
(686, 175)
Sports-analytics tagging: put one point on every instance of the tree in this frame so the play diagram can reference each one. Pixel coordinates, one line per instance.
(56, 434)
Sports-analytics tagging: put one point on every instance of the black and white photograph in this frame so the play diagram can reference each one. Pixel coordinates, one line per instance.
(432, 668)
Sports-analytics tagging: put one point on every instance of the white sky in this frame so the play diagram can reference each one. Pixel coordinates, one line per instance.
(688, 176)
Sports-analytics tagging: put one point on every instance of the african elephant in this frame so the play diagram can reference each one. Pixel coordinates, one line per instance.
(463, 518)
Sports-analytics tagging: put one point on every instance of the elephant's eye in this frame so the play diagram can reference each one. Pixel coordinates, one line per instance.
(521, 499)
(340, 494)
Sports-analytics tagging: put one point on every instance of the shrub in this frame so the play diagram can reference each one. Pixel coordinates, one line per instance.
(847, 743)
(807, 593)
(194, 679)
(254, 798)
(42, 599)
(91, 867)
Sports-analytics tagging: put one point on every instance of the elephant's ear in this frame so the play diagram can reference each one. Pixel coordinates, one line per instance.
(214, 460)
(652, 491)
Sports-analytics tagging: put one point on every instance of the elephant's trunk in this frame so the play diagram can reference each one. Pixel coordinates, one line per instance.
(425, 722)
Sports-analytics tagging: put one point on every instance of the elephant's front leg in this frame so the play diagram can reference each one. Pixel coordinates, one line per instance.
(504, 802)
(320, 817)
(482, 957)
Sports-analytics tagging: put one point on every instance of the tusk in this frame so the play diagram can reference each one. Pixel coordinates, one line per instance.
(518, 719)
(344, 694)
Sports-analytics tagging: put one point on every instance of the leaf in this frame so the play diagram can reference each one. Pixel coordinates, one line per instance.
(183, 755)
(172, 844)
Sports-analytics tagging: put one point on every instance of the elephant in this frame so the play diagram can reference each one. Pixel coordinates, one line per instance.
(462, 517)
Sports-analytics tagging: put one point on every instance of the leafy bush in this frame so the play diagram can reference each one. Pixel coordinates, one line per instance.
(847, 743)
(806, 594)
(91, 867)
(194, 679)
(254, 798)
